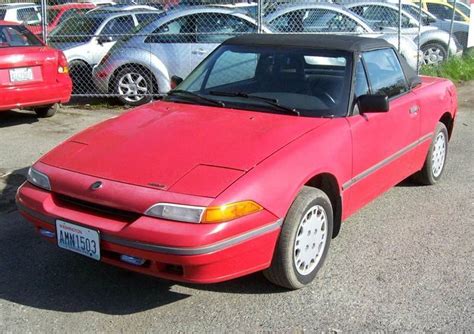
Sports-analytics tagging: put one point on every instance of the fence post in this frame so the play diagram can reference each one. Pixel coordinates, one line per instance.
(451, 27)
(44, 20)
(470, 36)
(420, 22)
(260, 16)
(399, 25)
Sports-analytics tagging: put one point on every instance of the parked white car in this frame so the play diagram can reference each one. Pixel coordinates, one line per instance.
(26, 13)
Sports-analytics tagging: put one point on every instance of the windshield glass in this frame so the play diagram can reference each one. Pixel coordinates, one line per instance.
(52, 14)
(307, 81)
(77, 29)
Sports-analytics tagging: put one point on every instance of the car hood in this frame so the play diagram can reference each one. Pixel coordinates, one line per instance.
(162, 143)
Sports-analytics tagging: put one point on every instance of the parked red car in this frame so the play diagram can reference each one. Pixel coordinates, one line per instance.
(250, 164)
(59, 13)
(31, 73)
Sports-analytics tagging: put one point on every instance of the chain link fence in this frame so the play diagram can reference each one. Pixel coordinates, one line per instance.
(135, 50)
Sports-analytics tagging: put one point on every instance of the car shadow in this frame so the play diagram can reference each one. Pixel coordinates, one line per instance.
(37, 274)
(10, 118)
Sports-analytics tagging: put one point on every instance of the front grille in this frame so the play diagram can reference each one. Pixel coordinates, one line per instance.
(97, 209)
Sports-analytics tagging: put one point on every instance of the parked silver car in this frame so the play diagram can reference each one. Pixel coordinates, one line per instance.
(460, 29)
(385, 17)
(142, 65)
(86, 38)
(332, 18)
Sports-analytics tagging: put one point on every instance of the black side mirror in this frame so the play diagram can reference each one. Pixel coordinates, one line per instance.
(104, 39)
(373, 103)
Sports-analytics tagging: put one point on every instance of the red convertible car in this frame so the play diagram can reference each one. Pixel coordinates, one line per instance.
(31, 73)
(250, 164)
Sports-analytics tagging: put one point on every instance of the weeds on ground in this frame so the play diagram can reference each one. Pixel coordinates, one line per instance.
(457, 69)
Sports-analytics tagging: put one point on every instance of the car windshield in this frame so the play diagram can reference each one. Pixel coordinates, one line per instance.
(308, 82)
(77, 29)
(15, 36)
(52, 14)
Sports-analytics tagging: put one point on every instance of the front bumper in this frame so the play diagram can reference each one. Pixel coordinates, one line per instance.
(197, 253)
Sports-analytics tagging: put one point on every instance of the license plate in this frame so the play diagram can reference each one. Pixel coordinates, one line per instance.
(21, 74)
(78, 239)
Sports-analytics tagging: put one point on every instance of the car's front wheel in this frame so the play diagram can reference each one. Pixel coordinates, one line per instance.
(134, 86)
(436, 158)
(304, 240)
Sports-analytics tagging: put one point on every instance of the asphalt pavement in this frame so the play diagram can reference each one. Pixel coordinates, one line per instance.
(403, 263)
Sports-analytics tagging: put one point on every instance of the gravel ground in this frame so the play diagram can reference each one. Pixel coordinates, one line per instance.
(404, 263)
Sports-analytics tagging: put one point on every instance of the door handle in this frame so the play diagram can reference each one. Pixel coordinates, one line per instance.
(414, 110)
(199, 52)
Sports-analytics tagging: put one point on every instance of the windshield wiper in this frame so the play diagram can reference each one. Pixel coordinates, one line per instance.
(195, 96)
(269, 101)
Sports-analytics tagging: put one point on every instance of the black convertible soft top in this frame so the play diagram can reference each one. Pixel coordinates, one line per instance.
(327, 42)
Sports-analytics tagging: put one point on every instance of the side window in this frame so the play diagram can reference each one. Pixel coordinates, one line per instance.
(440, 11)
(28, 15)
(145, 18)
(289, 22)
(181, 30)
(216, 28)
(385, 73)
(361, 84)
(233, 67)
(119, 25)
(318, 20)
(67, 14)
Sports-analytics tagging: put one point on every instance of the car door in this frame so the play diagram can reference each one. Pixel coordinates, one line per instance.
(383, 143)
(172, 42)
(114, 29)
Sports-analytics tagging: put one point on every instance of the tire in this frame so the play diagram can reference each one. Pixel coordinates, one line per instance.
(81, 76)
(297, 257)
(434, 53)
(47, 111)
(436, 158)
(130, 82)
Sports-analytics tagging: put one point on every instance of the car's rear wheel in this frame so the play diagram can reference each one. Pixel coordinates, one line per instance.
(304, 240)
(436, 159)
(47, 111)
(433, 53)
(134, 86)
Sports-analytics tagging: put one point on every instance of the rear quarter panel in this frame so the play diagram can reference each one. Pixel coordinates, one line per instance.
(436, 96)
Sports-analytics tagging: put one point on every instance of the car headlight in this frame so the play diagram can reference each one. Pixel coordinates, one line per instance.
(38, 179)
(183, 213)
(197, 214)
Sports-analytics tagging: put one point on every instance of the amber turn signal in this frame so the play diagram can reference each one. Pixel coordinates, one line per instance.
(224, 213)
